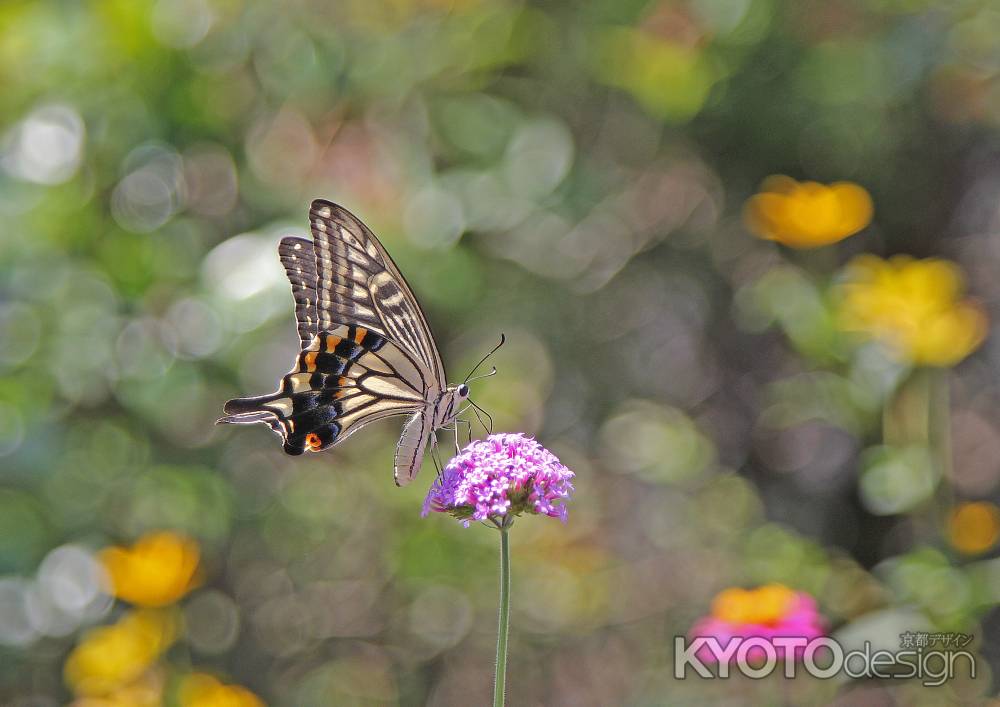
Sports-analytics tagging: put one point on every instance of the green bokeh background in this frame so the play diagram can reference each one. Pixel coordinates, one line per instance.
(570, 174)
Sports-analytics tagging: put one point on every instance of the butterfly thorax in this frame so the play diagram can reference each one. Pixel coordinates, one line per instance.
(449, 403)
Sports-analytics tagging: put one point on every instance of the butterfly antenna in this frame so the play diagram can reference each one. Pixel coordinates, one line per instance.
(483, 359)
(492, 372)
(489, 430)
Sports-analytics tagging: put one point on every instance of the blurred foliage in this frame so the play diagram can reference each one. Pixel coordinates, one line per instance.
(572, 174)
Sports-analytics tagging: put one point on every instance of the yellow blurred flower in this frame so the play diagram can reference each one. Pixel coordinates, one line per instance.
(157, 570)
(203, 690)
(807, 214)
(913, 307)
(670, 80)
(766, 605)
(974, 527)
(147, 691)
(110, 657)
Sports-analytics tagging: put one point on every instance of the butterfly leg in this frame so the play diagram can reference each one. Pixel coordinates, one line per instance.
(435, 457)
(468, 428)
(467, 423)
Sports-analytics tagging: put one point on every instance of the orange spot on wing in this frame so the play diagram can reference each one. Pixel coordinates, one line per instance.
(313, 441)
(360, 334)
(310, 360)
(331, 342)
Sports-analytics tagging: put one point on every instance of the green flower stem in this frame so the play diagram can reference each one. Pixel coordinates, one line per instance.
(919, 412)
(906, 417)
(818, 262)
(501, 673)
(939, 437)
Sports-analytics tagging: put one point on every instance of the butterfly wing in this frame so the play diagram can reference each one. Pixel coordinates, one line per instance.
(341, 382)
(297, 256)
(358, 282)
(410, 448)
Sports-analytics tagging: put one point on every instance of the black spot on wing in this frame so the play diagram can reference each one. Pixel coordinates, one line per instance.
(372, 341)
(349, 350)
(332, 364)
(319, 421)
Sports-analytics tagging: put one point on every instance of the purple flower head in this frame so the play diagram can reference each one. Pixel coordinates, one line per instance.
(501, 476)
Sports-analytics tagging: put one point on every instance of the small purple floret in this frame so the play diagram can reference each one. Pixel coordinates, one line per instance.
(504, 474)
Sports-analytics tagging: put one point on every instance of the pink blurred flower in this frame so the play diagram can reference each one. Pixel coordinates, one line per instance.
(768, 612)
(502, 475)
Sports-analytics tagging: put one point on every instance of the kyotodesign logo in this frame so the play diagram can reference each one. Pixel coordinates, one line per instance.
(931, 658)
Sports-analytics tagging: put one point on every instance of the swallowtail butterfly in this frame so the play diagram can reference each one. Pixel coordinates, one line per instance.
(366, 350)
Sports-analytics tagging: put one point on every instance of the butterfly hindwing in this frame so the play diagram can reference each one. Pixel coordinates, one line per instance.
(342, 381)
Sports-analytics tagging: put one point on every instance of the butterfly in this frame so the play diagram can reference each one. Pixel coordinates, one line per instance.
(366, 351)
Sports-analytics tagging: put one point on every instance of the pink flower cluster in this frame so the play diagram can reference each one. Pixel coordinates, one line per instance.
(502, 475)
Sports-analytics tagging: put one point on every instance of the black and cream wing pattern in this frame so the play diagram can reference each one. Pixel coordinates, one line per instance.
(366, 351)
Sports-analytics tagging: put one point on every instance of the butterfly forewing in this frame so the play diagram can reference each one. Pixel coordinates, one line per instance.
(296, 255)
(358, 281)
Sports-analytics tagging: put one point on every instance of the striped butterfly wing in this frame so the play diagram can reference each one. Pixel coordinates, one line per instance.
(367, 352)
(410, 448)
(357, 281)
(297, 257)
(342, 381)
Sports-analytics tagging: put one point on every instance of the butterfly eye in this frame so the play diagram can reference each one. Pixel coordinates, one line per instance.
(463, 391)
